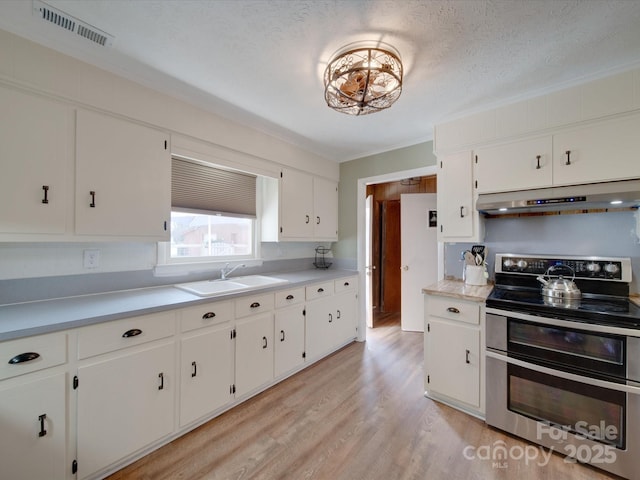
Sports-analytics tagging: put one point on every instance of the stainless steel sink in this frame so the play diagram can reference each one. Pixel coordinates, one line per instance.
(210, 288)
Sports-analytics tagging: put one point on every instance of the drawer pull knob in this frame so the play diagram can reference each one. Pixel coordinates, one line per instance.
(45, 188)
(346, 284)
(282, 335)
(134, 332)
(568, 162)
(330, 317)
(208, 315)
(194, 369)
(320, 290)
(339, 315)
(24, 357)
(41, 419)
(93, 199)
(453, 310)
(264, 342)
(255, 305)
(289, 297)
(538, 157)
(467, 356)
(161, 377)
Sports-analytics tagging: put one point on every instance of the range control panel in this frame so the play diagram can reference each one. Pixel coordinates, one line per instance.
(596, 268)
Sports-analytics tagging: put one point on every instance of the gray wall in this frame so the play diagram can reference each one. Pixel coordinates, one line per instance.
(612, 234)
(408, 158)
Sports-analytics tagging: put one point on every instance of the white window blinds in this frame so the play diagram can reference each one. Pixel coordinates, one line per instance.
(200, 187)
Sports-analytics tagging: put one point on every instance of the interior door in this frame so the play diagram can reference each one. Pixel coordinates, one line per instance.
(390, 293)
(419, 253)
(369, 267)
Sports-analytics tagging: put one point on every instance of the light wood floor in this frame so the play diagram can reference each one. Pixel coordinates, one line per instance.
(358, 415)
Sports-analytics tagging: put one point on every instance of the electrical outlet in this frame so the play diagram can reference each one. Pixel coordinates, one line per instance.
(91, 259)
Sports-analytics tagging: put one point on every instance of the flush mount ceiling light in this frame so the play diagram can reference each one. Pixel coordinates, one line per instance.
(363, 80)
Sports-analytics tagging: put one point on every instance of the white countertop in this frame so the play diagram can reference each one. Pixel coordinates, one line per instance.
(34, 318)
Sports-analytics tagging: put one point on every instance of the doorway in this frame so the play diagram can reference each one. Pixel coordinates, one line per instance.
(385, 269)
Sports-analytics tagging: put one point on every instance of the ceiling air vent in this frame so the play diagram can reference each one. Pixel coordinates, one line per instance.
(71, 24)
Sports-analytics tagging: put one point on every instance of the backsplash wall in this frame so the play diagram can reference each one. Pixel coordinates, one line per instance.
(609, 234)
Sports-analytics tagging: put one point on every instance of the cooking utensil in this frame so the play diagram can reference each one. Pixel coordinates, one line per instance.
(478, 253)
(469, 258)
(559, 288)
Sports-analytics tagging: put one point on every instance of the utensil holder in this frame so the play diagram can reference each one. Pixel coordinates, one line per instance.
(475, 275)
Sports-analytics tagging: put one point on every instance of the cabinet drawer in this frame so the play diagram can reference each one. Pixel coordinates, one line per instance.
(32, 354)
(454, 309)
(319, 290)
(206, 315)
(345, 284)
(111, 336)
(252, 304)
(288, 297)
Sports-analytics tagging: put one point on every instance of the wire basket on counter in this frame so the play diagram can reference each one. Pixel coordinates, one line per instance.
(321, 260)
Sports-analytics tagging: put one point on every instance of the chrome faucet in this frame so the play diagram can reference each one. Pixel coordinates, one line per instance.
(226, 271)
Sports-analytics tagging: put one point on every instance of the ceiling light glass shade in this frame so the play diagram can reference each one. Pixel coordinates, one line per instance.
(364, 80)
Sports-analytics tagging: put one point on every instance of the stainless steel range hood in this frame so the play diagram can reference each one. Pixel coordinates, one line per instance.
(625, 193)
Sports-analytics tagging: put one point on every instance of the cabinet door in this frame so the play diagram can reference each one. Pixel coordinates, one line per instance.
(35, 151)
(206, 373)
(128, 168)
(254, 353)
(296, 204)
(599, 152)
(325, 209)
(289, 339)
(33, 430)
(455, 197)
(453, 360)
(124, 404)
(515, 166)
(345, 318)
(319, 327)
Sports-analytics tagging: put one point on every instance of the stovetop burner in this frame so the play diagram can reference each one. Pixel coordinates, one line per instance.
(605, 298)
(608, 310)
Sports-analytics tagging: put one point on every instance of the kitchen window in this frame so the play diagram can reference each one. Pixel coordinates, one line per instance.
(213, 217)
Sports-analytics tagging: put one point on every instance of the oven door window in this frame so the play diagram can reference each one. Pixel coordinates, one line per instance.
(573, 348)
(592, 412)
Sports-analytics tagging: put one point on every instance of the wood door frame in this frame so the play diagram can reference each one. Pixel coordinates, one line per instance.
(361, 236)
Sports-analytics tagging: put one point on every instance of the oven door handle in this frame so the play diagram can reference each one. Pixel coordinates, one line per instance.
(566, 375)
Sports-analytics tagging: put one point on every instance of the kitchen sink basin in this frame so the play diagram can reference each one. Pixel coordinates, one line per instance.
(258, 280)
(210, 288)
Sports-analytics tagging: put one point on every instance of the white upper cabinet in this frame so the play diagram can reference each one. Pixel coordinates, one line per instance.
(302, 208)
(325, 209)
(458, 219)
(35, 147)
(296, 204)
(123, 178)
(521, 165)
(599, 152)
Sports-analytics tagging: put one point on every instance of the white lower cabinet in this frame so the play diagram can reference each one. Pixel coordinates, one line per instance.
(206, 374)
(452, 350)
(254, 353)
(33, 408)
(33, 429)
(289, 339)
(330, 318)
(124, 404)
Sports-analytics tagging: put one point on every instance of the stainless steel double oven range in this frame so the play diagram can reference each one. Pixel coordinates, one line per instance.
(565, 372)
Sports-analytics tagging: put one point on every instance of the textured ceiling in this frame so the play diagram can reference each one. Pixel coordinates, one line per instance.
(260, 62)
